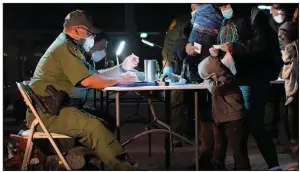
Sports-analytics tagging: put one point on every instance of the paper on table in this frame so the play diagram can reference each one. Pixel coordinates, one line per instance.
(229, 62)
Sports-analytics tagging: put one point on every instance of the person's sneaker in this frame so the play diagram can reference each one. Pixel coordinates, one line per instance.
(75, 162)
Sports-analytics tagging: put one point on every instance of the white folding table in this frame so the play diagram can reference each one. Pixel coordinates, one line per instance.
(168, 112)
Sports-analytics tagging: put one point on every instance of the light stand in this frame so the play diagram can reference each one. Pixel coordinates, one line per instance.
(120, 50)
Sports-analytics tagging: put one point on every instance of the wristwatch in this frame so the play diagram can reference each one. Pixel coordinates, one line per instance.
(122, 69)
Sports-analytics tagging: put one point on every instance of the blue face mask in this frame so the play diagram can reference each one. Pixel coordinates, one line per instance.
(228, 13)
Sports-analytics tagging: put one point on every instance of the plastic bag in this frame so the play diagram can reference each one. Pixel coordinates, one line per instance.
(173, 79)
(229, 62)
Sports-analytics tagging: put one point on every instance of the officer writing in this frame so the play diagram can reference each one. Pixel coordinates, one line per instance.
(63, 67)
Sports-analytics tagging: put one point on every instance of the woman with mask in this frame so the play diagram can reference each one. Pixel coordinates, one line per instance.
(254, 48)
(95, 54)
(278, 17)
(98, 52)
(272, 115)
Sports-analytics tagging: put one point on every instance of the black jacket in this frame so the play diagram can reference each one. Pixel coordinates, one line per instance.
(256, 53)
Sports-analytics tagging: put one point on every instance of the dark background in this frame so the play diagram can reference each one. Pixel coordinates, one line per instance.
(149, 17)
(30, 28)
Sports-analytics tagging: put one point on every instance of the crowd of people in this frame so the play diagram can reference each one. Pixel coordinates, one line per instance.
(242, 50)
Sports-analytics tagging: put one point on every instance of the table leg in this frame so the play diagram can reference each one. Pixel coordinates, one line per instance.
(149, 121)
(101, 99)
(106, 101)
(196, 130)
(168, 121)
(118, 114)
(95, 98)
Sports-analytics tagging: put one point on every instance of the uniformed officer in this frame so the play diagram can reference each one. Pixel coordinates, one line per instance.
(175, 39)
(95, 55)
(62, 66)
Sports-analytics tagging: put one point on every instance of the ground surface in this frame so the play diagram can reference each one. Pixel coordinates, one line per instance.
(180, 159)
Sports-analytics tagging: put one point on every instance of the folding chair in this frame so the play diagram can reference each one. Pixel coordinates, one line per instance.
(31, 134)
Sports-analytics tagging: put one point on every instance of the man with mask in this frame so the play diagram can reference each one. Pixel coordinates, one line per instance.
(99, 50)
(174, 42)
(272, 116)
(254, 48)
(63, 67)
(277, 18)
(96, 54)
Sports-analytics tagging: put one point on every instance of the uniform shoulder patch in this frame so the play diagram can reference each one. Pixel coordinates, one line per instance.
(74, 50)
(173, 24)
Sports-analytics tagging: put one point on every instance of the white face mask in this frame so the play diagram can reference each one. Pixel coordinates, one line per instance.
(279, 18)
(98, 55)
(89, 43)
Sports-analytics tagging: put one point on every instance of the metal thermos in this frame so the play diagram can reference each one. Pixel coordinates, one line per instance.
(150, 70)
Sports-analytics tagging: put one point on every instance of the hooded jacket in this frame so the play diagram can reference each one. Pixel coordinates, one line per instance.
(227, 99)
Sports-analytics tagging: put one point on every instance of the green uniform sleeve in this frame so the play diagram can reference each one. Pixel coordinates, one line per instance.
(170, 38)
(72, 65)
(175, 31)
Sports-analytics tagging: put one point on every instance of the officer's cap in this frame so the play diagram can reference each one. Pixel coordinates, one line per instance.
(80, 17)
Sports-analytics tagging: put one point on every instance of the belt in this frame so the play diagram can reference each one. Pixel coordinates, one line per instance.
(73, 102)
(44, 99)
(206, 29)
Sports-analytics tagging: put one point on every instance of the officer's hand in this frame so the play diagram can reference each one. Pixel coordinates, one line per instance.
(130, 62)
(190, 49)
(127, 78)
(213, 52)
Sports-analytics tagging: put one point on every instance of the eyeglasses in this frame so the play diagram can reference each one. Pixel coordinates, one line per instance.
(89, 33)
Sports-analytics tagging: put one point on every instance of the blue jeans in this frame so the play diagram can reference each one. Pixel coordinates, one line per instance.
(255, 97)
